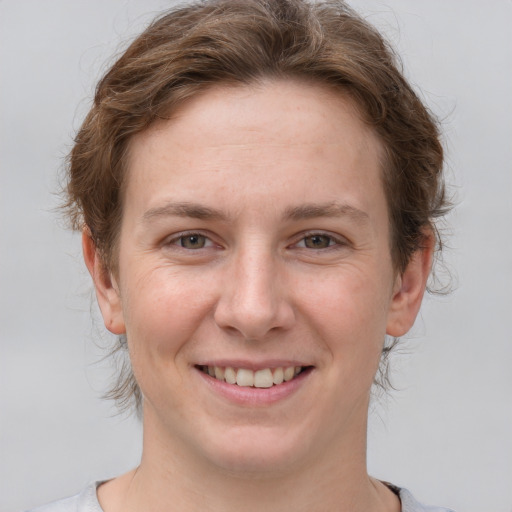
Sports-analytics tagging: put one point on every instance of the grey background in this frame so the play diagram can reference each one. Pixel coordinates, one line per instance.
(446, 433)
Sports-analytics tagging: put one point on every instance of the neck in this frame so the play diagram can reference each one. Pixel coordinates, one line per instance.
(169, 474)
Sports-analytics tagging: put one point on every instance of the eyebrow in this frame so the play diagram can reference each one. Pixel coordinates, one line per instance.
(302, 212)
(332, 209)
(192, 210)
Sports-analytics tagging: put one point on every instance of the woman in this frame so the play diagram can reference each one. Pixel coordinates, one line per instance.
(256, 185)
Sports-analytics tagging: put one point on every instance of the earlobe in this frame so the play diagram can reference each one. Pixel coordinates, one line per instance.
(107, 291)
(409, 289)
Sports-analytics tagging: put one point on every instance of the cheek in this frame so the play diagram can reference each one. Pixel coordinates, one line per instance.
(349, 312)
(163, 309)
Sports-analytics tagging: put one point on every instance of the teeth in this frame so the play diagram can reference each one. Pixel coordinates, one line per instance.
(263, 378)
(219, 373)
(230, 375)
(289, 373)
(278, 376)
(244, 377)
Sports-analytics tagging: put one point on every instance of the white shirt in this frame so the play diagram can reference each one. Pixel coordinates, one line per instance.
(87, 501)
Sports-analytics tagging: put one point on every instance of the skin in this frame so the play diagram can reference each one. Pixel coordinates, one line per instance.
(268, 168)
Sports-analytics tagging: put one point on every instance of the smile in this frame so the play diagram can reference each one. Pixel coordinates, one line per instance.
(244, 377)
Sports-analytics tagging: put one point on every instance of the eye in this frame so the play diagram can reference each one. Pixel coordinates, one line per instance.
(192, 241)
(317, 241)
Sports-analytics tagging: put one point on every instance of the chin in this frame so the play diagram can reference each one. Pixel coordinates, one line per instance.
(253, 451)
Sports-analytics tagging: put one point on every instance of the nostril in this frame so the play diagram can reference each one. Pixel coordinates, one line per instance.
(255, 321)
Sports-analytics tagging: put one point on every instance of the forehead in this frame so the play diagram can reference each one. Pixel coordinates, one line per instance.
(275, 138)
(311, 113)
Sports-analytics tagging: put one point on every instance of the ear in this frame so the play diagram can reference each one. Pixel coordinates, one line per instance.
(409, 289)
(107, 291)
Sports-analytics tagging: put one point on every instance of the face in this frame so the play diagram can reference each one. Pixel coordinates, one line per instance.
(255, 282)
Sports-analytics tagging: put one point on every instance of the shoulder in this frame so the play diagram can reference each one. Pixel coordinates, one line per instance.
(409, 504)
(85, 501)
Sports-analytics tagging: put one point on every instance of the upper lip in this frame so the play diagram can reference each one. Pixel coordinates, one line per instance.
(253, 365)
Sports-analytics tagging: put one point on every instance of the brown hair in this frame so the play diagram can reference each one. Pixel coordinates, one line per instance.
(188, 49)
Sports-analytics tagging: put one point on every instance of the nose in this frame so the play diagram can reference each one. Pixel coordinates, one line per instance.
(254, 300)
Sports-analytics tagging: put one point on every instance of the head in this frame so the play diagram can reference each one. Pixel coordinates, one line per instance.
(191, 50)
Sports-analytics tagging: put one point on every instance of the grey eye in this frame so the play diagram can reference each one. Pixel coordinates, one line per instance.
(192, 241)
(317, 241)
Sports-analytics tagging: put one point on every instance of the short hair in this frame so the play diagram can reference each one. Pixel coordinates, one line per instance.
(242, 42)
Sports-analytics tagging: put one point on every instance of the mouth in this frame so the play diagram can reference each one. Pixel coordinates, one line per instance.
(245, 377)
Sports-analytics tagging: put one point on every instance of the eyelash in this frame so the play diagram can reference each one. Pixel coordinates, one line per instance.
(188, 235)
(331, 240)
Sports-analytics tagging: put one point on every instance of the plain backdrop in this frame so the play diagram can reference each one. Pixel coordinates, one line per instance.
(446, 433)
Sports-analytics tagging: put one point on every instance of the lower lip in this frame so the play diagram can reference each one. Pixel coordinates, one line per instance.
(251, 396)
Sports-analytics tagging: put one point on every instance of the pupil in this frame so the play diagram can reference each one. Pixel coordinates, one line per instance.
(317, 241)
(193, 241)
